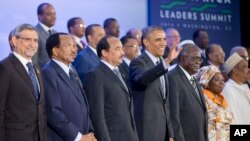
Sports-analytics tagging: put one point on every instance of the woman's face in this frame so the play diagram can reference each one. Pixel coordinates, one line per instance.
(216, 84)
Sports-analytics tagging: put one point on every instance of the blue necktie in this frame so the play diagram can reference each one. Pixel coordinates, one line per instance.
(33, 78)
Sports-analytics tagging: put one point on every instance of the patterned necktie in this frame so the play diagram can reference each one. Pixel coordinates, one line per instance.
(74, 77)
(118, 74)
(162, 79)
(192, 80)
(33, 78)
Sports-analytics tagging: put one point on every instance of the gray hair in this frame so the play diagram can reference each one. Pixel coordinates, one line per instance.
(17, 30)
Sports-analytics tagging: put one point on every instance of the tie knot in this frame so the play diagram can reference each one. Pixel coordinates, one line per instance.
(158, 61)
(50, 31)
(116, 70)
(29, 65)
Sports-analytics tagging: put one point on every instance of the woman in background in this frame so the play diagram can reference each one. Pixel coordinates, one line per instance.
(219, 115)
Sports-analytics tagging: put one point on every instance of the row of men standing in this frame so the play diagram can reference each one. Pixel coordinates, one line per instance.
(106, 96)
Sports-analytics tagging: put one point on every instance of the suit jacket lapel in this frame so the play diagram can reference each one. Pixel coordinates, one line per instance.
(67, 80)
(151, 65)
(184, 78)
(92, 56)
(201, 95)
(23, 73)
(112, 75)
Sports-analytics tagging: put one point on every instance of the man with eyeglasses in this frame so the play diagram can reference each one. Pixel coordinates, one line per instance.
(187, 104)
(131, 50)
(47, 17)
(22, 102)
(76, 27)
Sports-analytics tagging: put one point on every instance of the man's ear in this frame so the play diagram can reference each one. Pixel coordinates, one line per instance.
(14, 40)
(54, 51)
(145, 42)
(104, 53)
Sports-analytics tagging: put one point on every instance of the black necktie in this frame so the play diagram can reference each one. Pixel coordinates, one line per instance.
(118, 74)
(162, 79)
(50, 31)
(33, 78)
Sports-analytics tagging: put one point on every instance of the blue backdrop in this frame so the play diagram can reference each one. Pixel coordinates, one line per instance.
(221, 18)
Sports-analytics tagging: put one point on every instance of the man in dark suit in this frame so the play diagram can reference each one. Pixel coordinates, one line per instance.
(76, 27)
(88, 59)
(187, 103)
(131, 50)
(22, 102)
(67, 106)
(47, 18)
(149, 83)
(108, 95)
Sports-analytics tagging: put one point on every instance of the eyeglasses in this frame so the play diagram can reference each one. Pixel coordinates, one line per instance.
(81, 26)
(245, 57)
(133, 46)
(195, 58)
(27, 39)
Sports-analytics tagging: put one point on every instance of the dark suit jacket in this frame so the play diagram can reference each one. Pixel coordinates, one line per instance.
(85, 61)
(188, 112)
(124, 69)
(152, 114)
(41, 57)
(67, 106)
(110, 106)
(22, 117)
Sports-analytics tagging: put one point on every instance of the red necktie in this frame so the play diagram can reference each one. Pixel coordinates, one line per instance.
(83, 44)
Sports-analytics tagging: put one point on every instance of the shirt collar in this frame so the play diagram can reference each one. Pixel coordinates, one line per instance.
(46, 28)
(152, 57)
(186, 73)
(109, 65)
(93, 49)
(23, 60)
(78, 40)
(126, 60)
(63, 66)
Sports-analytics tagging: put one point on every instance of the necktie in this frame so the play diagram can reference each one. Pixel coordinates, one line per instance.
(33, 78)
(192, 80)
(83, 44)
(74, 77)
(50, 31)
(118, 74)
(162, 80)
